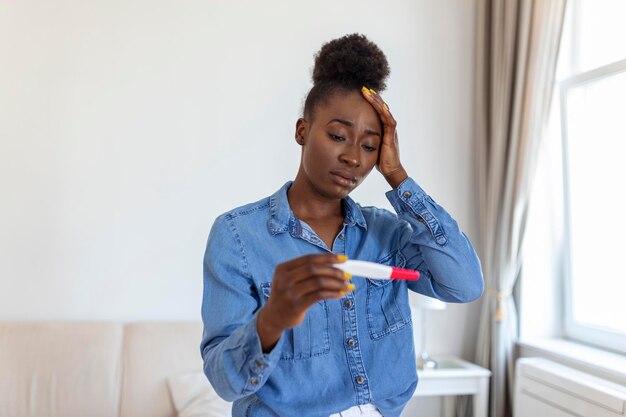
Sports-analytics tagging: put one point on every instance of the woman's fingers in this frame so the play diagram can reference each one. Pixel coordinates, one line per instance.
(311, 292)
(388, 163)
(314, 271)
(321, 284)
(380, 106)
(318, 258)
(301, 282)
(315, 297)
(390, 137)
(313, 274)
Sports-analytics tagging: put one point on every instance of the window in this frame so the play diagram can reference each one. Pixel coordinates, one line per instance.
(588, 248)
(593, 111)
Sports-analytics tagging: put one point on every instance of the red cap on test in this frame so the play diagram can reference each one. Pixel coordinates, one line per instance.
(401, 273)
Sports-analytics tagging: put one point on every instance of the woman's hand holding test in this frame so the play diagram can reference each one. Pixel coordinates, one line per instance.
(296, 286)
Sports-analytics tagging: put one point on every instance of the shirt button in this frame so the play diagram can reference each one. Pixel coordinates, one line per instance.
(260, 364)
(359, 379)
(406, 194)
(347, 304)
(342, 236)
(351, 342)
(255, 381)
(441, 240)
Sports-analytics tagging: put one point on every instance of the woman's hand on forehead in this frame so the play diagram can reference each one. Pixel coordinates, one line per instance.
(389, 158)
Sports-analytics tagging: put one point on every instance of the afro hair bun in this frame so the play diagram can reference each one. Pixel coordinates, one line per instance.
(351, 61)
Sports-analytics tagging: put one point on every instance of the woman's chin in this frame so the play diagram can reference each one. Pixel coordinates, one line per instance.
(341, 191)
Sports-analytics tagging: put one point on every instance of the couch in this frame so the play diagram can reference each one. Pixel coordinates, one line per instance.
(93, 369)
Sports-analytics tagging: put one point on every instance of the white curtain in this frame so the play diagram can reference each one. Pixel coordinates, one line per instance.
(517, 49)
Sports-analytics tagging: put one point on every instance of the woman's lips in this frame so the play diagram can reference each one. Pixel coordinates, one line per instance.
(343, 179)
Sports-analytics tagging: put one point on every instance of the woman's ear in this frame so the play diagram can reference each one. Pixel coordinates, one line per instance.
(302, 130)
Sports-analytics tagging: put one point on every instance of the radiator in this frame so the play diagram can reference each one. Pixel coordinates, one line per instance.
(548, 389)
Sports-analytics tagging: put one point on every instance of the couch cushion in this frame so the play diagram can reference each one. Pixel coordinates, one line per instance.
(60, 369)
(152, 352)
(193, 396)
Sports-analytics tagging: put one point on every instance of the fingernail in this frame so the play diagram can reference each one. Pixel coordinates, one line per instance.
(385, 106)
(342, 293)
(347, 275)
(351, 287)
(372, 91)
(367, 90)
(342, 258)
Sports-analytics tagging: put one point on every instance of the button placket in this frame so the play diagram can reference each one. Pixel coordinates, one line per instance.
(352, 349)
(339, 244)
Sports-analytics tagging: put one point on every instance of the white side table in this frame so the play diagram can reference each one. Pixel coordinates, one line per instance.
(454, 376)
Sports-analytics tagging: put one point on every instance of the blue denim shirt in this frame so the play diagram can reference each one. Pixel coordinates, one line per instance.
(349, 351)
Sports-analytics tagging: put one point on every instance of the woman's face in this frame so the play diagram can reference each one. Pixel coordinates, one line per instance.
(340, 146)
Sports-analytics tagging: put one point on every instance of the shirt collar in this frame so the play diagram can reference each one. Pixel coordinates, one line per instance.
(282, 218)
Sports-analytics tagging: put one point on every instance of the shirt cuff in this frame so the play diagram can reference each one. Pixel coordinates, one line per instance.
(410, 198)
(259, 364)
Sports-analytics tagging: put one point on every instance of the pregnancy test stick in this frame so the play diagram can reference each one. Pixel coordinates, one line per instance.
(373, 270)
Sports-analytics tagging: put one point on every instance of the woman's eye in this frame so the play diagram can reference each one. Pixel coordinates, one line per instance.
(369, 148)
(336, 138)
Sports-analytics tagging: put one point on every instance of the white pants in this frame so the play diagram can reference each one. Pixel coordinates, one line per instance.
(368, 410)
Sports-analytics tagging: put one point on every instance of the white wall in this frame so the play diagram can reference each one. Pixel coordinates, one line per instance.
(126, 127)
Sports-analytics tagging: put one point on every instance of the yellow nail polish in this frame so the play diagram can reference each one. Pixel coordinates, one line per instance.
(372, 91)
(347, 275)
(367, 91)
(342, 293)
(342, 258)
(385, 106)
(351, 287)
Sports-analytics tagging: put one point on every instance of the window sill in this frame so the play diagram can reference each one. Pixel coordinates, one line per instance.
(598, 362)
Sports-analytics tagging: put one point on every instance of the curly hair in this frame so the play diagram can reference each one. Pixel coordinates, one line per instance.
(346, 63)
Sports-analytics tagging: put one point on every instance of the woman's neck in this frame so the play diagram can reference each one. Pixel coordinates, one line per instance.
(309, 205)
(322, 213)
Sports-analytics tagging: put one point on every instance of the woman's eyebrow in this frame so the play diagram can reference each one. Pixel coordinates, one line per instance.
(347, 123)
(343, 122)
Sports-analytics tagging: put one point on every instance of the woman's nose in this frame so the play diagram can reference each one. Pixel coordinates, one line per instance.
(350, 160)
(350, 156)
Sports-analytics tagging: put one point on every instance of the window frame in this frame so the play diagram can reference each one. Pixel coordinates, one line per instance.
(572, 329)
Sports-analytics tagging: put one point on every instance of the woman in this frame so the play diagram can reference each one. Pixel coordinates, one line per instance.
(285, 332)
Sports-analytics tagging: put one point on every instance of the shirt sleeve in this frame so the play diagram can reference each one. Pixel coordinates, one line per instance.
(433, 244)
(234, 361)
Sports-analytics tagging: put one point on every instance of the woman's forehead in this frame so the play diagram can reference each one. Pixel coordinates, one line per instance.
(351, 107)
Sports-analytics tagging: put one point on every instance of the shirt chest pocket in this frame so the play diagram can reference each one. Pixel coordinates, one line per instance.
(310, 338)
(387, 302)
